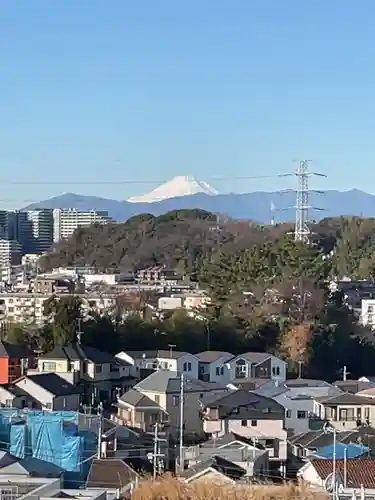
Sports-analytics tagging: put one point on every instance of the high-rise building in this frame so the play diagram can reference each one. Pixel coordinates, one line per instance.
(10, 253)
(32, 228)
(66, 221)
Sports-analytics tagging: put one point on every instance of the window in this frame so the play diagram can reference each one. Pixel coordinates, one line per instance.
(222, 370)
(175, 400)
(254, 423)
(201, 395)
(187, 367)
(346, 414)
(49, 367)
(288, 413)
(98, 368)
(218, 370)
(9, 402)
(157, 399)
(301, 414)
(244, 423)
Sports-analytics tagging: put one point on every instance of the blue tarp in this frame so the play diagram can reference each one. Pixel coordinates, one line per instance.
(343, 451)
(50, 436)
(18, 439)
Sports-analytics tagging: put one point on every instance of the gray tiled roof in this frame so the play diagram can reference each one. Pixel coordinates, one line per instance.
(218, 463)
(254, 357)
(168, 381)
(77, 352)
(211, 356)
(137, 399)
(54, 384)
(239, 405)
(157, 353)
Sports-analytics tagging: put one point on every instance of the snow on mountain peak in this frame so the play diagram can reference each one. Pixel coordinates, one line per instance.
(178, 186)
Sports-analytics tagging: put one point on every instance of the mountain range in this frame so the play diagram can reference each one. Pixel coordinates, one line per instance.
(188, 193)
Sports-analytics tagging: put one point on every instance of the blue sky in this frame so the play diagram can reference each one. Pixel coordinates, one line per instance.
(144, 90)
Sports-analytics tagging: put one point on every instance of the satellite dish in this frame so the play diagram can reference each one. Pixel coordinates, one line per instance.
(330, 485)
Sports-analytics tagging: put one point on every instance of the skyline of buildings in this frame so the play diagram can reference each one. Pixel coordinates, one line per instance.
(34, 231)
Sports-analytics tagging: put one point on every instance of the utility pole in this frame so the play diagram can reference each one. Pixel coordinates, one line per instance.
(181, 454)
(100, 430)
(156, 450)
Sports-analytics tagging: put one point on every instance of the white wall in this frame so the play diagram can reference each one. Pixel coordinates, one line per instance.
(219, 371)
(36, 391)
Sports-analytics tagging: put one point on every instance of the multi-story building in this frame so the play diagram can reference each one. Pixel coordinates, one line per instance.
(33, 229)
(29, 307)
(66, 221)
(10, 253)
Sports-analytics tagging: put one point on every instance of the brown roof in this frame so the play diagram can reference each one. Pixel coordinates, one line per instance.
(359, 471)
(110, 473)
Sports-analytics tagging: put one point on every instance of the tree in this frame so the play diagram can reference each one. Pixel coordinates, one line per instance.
(63, 315)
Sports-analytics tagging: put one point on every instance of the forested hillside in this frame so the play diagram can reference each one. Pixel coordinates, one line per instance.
(186, 238)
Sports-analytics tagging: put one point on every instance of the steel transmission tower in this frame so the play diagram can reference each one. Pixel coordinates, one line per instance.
(301, 229)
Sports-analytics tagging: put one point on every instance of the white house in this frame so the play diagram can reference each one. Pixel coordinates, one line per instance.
(258, 365)
(214, 366)
(50, 392)
(176, 361)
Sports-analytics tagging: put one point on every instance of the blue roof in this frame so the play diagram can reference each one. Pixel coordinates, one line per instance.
(352, 451)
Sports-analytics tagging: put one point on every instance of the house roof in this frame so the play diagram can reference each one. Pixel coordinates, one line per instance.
(52, 383)
(342, 450)
(254, 357)
(306, 382)
(138, 400)
(14, 390)
(241, 405)
(79, 352)
(8, 350)
(227, 439)
(168, 381)
(110, 473)
(217, 463)
(346, 399)
(157, 353)
(33, 467)
(370, 392)
(211, 356)
(249, 384)
(353, 386)
(359, 472)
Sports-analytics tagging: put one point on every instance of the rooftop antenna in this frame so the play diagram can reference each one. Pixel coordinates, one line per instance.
(301, 229)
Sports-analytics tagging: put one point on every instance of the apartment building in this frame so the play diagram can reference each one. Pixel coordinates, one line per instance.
(10, 253)
(18, 307)
(66, 221)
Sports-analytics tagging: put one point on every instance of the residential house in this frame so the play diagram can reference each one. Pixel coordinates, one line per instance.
(51, 391)
(300, 400)
(239, 450)
(176, 361)
(12, 396)
(135, 409)
(258, 365)
(347, 411)
(14, 361)
(353, 386)
(164, 387)
(252, 416)
(305, 444)
(351, 474)
(214, 366)
(100, 374)
(215, 470)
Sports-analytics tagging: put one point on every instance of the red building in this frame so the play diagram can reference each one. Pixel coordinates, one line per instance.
(14, 361)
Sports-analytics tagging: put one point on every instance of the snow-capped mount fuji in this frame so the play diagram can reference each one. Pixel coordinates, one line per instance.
(176, 188)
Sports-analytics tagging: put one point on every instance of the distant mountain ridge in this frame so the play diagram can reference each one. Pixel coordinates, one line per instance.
(259, 206)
